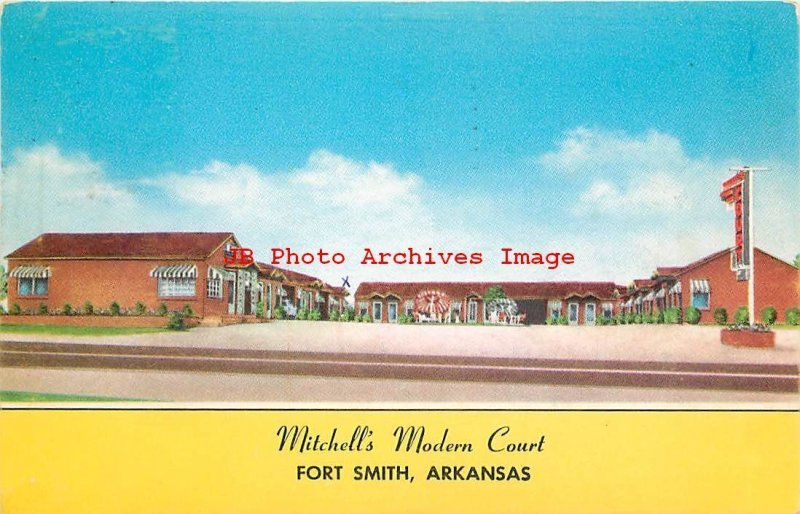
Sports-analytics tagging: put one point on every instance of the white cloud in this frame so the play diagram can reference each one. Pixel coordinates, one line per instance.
(661, 192)
(44, 190)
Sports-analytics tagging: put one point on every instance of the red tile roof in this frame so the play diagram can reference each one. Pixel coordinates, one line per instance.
(511, 289)
(668, 271)
(122, 245)
(297, 277)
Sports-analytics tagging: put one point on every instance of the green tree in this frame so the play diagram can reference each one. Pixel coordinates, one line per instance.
(797, 261)
(4, 282)
(493, 293)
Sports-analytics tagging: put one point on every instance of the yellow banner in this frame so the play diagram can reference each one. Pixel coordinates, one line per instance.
(103, 462)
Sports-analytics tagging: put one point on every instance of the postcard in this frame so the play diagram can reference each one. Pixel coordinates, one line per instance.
(399, 257)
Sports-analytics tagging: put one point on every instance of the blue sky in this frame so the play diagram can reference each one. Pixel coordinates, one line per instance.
(544, 126)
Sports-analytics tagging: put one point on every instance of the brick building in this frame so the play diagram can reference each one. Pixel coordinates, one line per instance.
(294, 290)
(173, 268)
(710, 283)
(463, 302)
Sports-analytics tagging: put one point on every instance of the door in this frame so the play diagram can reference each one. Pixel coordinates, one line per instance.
(472, 311)
(231, 297)
(392, 312)
(572, 314)
(248, 304)
(377, 312)
(590, 313)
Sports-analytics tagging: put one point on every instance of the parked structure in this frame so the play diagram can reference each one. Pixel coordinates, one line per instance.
(464, 302)
(171, 268)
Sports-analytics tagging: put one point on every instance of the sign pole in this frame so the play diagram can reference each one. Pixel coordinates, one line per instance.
(751, 276)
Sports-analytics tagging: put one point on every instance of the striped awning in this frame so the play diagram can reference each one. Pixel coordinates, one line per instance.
(30, 272)
(675, 289)
(638, 300)
(660, 293)
(700, 286)
(219, 273)
(175, 271)
(626, 303)
(649, 296)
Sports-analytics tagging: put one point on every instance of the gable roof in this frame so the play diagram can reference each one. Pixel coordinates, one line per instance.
(122, 245)
(297, 277)
(511, 289)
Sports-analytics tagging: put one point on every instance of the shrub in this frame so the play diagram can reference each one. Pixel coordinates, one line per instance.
(672, 315)
(793, 316)
(405, 319)
(769, 315)
(347, 315)
(114, 308)
(366, 318)
(314, 315)
(162, 309)
(15, 310)
(333, 315)
(693, 315)
(280, 312)
(720, 315)
(562, 320)
(260, 309)
(301, 314)
(42, 309)
(176, 321)
(88, 308)
(638, 318)
(141, 308)
(550, 320)
(660, 317)
(741, 316)
(187, 311)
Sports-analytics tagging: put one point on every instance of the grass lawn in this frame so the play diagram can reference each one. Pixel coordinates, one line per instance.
(77, 331)
(24, 396)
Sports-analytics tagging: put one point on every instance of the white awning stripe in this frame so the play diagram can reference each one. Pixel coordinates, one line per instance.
(675, 289)
(175, 271)
(700, 286)
(218, 273)
(660, 293)
(30, 272)
(649, 296)
(638, 300)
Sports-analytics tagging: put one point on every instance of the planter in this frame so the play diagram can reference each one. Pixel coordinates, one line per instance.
(748, 338)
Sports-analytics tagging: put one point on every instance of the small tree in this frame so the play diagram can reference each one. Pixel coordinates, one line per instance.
(67, 309)
(769, 315)
(693, 315)
(3, 283)
(141, 308)
(162, 309)
(741, 316)
(493, 293)
(114, 309)
(88, 308)
(187, 311)
(720, 315)
(15, 310)
(43, 308)
(793, 316)
(176, 321)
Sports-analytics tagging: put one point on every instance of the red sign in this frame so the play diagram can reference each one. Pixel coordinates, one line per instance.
(734, 192)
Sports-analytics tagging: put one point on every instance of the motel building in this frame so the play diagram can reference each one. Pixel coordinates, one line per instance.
(293, 291)
(710, 283)
(171, 268)
(527, 303)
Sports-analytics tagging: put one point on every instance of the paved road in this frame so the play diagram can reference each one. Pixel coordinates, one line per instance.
(614, 373)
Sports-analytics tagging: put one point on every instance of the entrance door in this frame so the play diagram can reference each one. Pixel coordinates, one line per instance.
(472, 311)
(590, 313)
(248, 304)
(572, 314)
(377, 312)
(392, 312)
(231, 297)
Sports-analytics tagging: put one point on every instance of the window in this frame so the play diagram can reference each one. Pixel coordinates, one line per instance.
(32, 286)
(214, 288)
(362, 308)
(409, 307)
(554, 308)
(608, 310)
(377, 311)
(700, 300)
(174, 286)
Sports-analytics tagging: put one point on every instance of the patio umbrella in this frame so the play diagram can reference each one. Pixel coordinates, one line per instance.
(506, 305)
(432, 302)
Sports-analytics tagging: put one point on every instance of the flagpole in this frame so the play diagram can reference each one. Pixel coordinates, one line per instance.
(751, 277)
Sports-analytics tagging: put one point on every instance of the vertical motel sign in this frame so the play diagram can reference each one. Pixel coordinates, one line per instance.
(736, 192)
